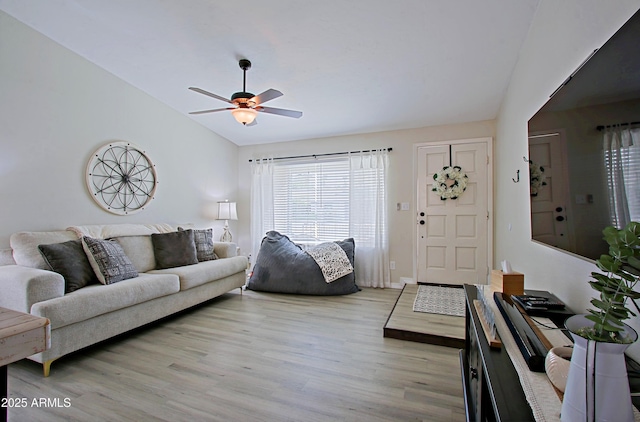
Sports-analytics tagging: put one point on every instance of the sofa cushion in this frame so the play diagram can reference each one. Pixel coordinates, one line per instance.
(98, 299)
(174, 249)
(283, 267)
(25, 246)
(108, 260)
(205, 272)
(139, 249)
(204, 244)
(69, 260)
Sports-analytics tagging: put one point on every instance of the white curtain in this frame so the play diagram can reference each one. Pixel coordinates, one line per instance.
(368, 217)
(261, 203)
(622, 163)
(367, 212)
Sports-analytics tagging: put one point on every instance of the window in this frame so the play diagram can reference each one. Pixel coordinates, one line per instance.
(322, 201)
(622, 161)
(311, 201)
(326, 200)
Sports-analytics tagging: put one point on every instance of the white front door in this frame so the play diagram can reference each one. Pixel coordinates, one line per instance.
(549, 207)
(453, 234)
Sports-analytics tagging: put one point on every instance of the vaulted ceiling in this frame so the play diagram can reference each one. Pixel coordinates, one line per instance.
(351, 66)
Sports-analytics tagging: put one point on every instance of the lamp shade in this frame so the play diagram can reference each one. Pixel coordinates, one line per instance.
(244, 115)
(227, 211)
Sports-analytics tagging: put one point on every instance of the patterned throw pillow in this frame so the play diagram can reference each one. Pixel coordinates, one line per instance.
(204, 244)
(108, 260)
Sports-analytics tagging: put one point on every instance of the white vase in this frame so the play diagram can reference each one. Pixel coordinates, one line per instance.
(597, 386)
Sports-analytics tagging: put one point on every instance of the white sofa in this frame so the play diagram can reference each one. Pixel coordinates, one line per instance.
(97, 312)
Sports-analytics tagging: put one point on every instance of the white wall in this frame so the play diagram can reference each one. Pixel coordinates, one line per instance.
(402, 224)
(562, 35)
(57, 108)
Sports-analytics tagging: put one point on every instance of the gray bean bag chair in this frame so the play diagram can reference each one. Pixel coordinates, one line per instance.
(283, 267)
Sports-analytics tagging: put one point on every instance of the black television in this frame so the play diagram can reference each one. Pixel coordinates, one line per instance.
(575, 186)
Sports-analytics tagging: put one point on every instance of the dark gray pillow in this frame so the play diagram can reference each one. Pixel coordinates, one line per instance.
(283, 267)
(174, 249)
(204, 244)
(108, 260)
(69, 260)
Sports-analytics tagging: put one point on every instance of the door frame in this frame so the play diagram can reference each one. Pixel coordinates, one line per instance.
(568, 206)
(489, 142)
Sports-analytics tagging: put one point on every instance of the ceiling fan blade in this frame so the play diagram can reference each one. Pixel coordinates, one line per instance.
(268, 95)
(211, 111)
(280, 111)
(217, 97)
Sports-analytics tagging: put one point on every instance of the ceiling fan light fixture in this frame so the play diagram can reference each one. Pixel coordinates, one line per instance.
(244, 115)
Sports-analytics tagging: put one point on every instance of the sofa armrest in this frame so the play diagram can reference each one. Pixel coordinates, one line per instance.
(225, 249)
(23, 286)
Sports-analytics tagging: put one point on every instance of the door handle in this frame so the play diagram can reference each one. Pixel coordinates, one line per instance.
(559, 218)
(422, 222)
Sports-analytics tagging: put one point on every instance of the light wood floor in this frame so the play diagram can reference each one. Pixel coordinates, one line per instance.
(253, 357)
(406, 324)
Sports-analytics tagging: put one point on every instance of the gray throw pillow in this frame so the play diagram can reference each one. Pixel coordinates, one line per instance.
(108, 260)
(204, 244)
(283, 267)
(69, 260)
(174, 249)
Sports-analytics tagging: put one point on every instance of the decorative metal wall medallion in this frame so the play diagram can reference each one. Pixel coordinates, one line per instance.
(121, 178)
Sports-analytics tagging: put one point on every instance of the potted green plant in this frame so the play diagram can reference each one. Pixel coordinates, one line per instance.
(597, 385)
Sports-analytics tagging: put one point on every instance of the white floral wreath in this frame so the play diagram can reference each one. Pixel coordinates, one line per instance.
(536, 177)
(447, 189)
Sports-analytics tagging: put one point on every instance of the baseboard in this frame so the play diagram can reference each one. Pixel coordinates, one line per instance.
(400, 283)
(407, 280)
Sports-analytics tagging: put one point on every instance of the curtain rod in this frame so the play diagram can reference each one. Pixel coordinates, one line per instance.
(603, 127)
(324, 155)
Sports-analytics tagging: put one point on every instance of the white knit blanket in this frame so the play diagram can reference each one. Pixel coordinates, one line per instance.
(331, 259)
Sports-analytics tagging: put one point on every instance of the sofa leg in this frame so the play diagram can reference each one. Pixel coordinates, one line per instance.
(46, 367)
(240, 290)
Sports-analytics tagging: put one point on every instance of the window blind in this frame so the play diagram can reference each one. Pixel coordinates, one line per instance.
(622, 162)
(311, 201)
(322, 201)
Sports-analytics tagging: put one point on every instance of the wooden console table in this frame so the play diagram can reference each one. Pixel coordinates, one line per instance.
(21, 335)
(492, 389)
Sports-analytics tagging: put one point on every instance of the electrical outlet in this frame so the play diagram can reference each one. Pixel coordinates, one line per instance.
(392, 265)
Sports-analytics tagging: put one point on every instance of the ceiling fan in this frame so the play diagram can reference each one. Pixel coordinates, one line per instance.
(247, 105)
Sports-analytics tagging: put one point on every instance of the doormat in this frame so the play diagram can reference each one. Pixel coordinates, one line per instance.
(440, 300)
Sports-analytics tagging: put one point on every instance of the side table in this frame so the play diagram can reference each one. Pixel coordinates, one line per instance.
(21, 335)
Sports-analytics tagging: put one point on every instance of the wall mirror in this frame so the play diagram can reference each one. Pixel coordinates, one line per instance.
(587, 140)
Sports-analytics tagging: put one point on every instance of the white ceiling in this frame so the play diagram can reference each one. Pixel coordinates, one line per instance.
(352, 66)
